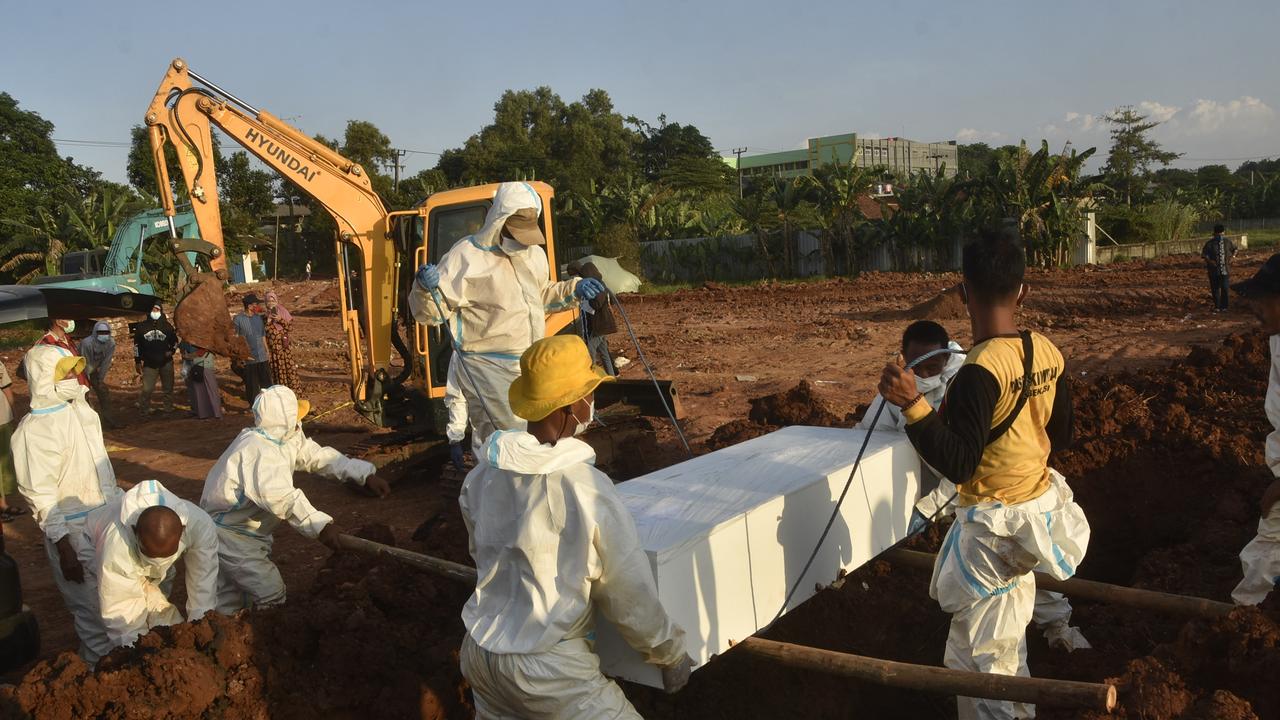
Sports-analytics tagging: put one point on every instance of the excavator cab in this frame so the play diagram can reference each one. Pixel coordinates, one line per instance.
(424, 236)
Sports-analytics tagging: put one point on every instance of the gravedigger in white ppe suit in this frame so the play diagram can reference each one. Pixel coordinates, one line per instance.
(1007, 408)
(494, 289)
(1052, 610)
(134, 542)
(64, 473)
(250, 490)
(1260, 559)
(552, 543)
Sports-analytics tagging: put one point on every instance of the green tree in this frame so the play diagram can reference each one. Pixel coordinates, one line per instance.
(1133, 152)
(838, 191)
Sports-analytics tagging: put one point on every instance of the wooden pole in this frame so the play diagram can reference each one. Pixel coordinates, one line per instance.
(927, 678)
(1094, 591)
(436, 566)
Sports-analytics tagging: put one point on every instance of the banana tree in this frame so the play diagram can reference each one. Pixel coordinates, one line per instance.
(835, 191)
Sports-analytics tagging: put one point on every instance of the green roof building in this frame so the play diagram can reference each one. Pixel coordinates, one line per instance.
(900, 156)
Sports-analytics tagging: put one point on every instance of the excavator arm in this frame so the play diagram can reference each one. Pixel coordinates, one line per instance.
(182, 113)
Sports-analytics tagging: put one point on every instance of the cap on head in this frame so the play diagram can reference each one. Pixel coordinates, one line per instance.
(522, 226)
(1264, 283)
(101, 327)
(554, 372)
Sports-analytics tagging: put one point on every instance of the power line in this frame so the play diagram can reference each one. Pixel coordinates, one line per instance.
(92, 143)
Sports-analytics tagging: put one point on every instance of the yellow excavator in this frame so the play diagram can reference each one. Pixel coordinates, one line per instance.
(377, 251)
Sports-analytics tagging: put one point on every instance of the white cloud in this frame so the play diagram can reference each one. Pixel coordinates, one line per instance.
(973, 135)
(1157, 111)
(1247, 113)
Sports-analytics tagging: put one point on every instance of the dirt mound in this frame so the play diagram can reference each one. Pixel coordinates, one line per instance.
(369, 640)
(801, 405)
(946, 305)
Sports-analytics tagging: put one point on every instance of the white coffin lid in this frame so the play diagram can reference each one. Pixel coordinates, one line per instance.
(682, 503)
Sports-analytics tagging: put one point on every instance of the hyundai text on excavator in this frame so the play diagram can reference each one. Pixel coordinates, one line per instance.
(377, 251)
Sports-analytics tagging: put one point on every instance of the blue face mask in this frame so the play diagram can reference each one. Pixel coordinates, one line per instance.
(102, 338)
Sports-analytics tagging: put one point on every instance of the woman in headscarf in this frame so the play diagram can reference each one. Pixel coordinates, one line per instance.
(202, 382)
(278, 321)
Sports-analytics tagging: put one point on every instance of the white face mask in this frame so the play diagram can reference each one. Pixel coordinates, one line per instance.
(926, 385)
(511, 247)
(155, 314)
(70, 327)
(156, 568)
(581, 427)
(68, 390)
(102, 338)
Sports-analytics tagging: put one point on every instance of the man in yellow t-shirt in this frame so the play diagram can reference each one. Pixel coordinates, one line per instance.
(1006, 409)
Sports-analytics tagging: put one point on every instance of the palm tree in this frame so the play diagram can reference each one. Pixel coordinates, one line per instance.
(789, 197)
(835, 190)
(754, 212)
(75, 222)
(37, 249)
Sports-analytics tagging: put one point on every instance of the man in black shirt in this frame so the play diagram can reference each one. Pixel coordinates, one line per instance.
(154, 342)
(1217, 254)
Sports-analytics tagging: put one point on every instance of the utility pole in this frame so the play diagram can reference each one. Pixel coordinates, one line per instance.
(738, 165)
(395, 167)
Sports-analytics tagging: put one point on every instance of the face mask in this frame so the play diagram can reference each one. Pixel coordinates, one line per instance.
(67, 390)
(103, 338)
(70, 327)
(581, 427)
(929, 384)
(511, 247)
(156, 568)
(155, 314)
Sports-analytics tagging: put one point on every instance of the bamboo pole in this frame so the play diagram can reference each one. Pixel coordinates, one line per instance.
(436, 566)
(1094, 591)
(927, 678)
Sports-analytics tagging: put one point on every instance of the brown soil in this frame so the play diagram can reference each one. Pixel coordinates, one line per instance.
(201, 319)
(946, 305)
(1167, 465)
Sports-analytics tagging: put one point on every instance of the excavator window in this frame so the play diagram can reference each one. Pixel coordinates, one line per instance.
(448, 225)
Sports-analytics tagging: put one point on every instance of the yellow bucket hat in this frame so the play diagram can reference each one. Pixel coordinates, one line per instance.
(554, 372)
(68, 364)
(304, 407)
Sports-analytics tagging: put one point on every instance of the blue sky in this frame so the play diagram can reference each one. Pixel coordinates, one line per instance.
(761, 75)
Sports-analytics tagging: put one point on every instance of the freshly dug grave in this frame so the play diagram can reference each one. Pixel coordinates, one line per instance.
(369, 640)
(801, 405)
(1167, 465)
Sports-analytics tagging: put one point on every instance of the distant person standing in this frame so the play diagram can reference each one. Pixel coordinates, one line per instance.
(308, 270)
(250, 326)
(277, 322)
(202, 382)
(1217, 254)
(98, 350)
(154, 342)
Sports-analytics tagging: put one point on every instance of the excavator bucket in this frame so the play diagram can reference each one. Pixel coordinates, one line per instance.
(201, 319)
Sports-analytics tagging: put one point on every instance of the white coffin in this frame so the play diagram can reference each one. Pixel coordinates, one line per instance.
(728, 533)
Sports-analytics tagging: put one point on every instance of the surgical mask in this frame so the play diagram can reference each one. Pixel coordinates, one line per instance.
(156, 567)
(581, 427)
(155, 314)
(70, 327)
(103, 338)
(926, 385)
(67, 390)
(511, 247)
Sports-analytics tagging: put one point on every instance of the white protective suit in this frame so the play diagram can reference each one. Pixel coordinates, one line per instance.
(495, 294)
(456, 404)
(133, 588)
(64, 473)
(1260, 559)
(552, 541)
(250, 490)
(983, 578)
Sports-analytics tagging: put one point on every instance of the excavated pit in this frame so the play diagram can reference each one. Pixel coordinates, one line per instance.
(1167, 464)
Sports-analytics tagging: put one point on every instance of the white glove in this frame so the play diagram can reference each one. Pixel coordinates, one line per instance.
(359, 470)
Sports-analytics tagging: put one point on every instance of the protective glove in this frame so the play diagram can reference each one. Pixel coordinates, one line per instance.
(675, 677)
(70, 565)
(455, 454)
(918, 523)
(588, 288)
(359, 470)
(428, 277)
